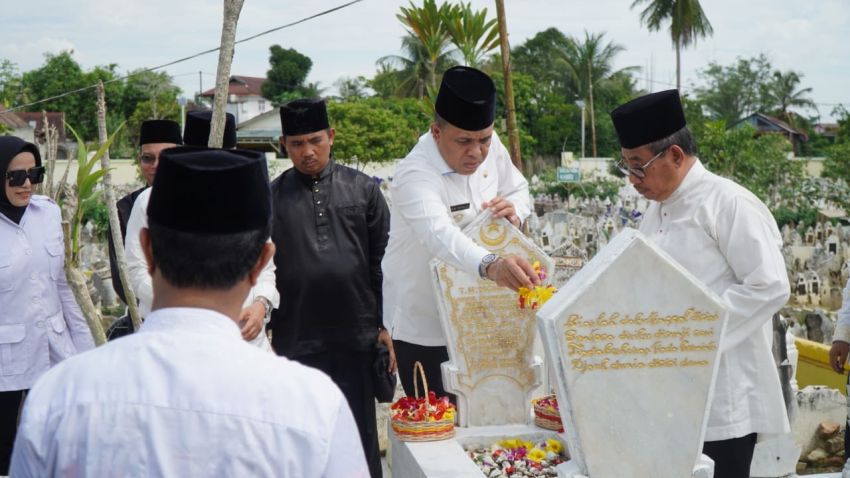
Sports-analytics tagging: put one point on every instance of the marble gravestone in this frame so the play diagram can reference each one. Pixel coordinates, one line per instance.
(491, 367)
(635, 341)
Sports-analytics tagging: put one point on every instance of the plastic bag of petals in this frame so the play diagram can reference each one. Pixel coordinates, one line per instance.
(426, 418)
(534, 298)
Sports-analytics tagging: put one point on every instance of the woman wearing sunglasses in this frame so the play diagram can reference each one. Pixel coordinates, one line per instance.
(40, 321)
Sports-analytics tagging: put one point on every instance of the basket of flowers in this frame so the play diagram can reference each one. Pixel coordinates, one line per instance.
(426, 418)
(546, 413)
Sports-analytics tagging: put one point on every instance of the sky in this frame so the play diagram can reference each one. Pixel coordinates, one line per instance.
(810, 37)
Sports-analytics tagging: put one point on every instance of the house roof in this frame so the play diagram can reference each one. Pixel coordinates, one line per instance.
(765, 123)
(55, 118)
(12, 120)
(241, 86)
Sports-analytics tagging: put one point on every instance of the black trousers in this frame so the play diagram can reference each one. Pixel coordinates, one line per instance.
(10, 405)
(352, 372)
(732, 458)
(407, 354)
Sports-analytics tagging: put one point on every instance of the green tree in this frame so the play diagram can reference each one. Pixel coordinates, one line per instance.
(589, 63)
(11, 93)
(471, 32)
(59, 74)
(784, 93)
(285, 80)
(541, 56)
(756, 162)
(352, 88)
(687, 23)
(374, 129)
(837, 162)
(736, 91)
(427, 25)
(415, 68)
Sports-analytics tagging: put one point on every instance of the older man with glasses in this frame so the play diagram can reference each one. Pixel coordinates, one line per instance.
(154, 137)
(726, 237)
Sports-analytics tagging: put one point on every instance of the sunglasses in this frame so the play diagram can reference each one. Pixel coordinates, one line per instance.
(19, 176)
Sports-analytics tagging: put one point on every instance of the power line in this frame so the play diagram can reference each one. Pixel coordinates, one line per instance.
(181, 60)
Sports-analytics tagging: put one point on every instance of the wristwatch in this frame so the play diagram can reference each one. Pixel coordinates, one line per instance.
(267, 304)
(486, 261)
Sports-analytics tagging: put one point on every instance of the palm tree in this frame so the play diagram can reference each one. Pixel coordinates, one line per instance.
(783, 93)
(589, 64)
(417, 71)
(471, 32)
(426, 24)
(687, 23)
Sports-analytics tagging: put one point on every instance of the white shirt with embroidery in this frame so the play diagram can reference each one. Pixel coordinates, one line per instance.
(430, 206)
(140, 280)
(726, 237)
(186, 396)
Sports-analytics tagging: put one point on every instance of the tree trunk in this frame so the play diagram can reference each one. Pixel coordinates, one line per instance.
(232, 8)
(51, 138)
(510, 107)
(80, 289)
(679, 65)
(111, 206)
(592, 112)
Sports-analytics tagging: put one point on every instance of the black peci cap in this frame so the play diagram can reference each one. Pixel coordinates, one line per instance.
(467, 98)
(304, 116)
(160, 131)
(648, 118)
(197, 132)
(214, 191)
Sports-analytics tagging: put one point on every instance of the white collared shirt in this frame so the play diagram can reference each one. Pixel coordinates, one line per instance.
(40, 321)
(423, 225)
(140, 280)
(186, 396)
(726, 237)
(842, 327)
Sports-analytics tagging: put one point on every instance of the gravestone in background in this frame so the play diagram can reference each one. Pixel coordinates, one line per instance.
(635, 341)
(492, 367)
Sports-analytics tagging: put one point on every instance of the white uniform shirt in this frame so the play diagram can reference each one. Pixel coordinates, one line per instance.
(842, 328)
(186, 396)
(726, 237)
(137, 269)
(40, 321)
(423, 226)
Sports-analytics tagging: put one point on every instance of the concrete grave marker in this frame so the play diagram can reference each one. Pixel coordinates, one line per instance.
(635, 341)
(492, 367)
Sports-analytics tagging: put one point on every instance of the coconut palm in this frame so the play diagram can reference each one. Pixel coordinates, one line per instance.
(471, 32)
(426, 24)
(589, 64)
(783, 94)
(417, 72)
(687, 23)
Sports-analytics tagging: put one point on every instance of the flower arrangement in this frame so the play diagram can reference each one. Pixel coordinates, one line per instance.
(536, 297)
(546, 413)
(410, 409)
(517, 458)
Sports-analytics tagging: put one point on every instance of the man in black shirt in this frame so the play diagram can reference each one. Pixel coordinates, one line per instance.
(330, 227)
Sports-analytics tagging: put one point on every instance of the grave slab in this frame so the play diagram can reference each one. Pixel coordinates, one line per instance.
(492, 366)
(634, 340)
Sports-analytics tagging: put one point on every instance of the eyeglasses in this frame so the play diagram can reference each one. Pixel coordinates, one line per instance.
(148, 159)
(638, 171)
(19, 176)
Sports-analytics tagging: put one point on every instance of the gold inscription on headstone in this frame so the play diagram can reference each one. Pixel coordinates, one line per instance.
(619, 341)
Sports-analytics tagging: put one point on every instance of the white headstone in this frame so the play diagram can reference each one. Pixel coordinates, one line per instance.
(492, 367)
(635, 342)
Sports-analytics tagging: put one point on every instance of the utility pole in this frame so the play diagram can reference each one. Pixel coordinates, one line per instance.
(510, 107)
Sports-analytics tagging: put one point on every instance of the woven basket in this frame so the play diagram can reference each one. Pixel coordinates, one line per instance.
(545, 417)
(424, 430)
